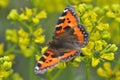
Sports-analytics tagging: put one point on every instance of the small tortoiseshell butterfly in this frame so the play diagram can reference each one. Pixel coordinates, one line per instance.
(68, 39)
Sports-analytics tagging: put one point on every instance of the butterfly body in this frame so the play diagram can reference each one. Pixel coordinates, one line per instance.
(68, 39)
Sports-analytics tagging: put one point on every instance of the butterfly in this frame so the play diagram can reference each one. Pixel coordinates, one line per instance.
(68, 39)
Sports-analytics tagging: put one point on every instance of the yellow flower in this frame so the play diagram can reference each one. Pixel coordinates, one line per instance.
(102, 26)
(5, 67)
(28, 12)
(88, 49)
(40, 39)
(108, 73)
(4, 3)
(105, 35)
(11, 35)
(13, 15)
(108, 56)
(35, 20)
(76, 61)
(110, 14)
(41, 15)
(38, 32)
(95, 36)
(22, 16)
(98, 45)
(23, 37)
(27, 50)
(44, 49)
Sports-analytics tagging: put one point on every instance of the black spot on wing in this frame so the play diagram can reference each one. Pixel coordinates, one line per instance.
(53, 56)
(69, 21)
(50, 60)
(42, 59)
(58, 28)
(60, 21)
(46, 54)
(38, 64)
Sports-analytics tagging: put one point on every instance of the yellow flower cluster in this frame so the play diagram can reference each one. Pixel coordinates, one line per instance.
(5, 67)
(30, 33)
(29, 15)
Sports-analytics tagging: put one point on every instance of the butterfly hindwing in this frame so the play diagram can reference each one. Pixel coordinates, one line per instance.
(48, 60)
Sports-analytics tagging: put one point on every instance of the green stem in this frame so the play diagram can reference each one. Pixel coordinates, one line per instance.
(87, 71)
(24, 24)
(106, 49)
(10, 49)
(31, 68)
(100, 19)
(48, 75)
(58, 74)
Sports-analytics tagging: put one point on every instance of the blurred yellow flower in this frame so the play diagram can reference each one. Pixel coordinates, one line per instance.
(28, 12)
(44, 49)
(61, 65)
(107, 72)
(39, 39)
(4, 3)
(23, 37)
(16, 76)
(37, 57)
(38, 32)
(13, 15)
(35, 20)
(41, 15)
(22, 16)
(1, 48)
(110, 14)
(11, 35)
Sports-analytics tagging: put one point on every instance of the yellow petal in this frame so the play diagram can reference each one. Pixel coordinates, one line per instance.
(95, 62)
(107, 56)
(107, 67)
(101, 72)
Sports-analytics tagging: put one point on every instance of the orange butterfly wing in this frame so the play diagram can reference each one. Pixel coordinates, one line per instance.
(47, 60)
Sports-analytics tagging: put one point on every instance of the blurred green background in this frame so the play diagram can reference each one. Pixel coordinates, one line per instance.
(25, 66)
